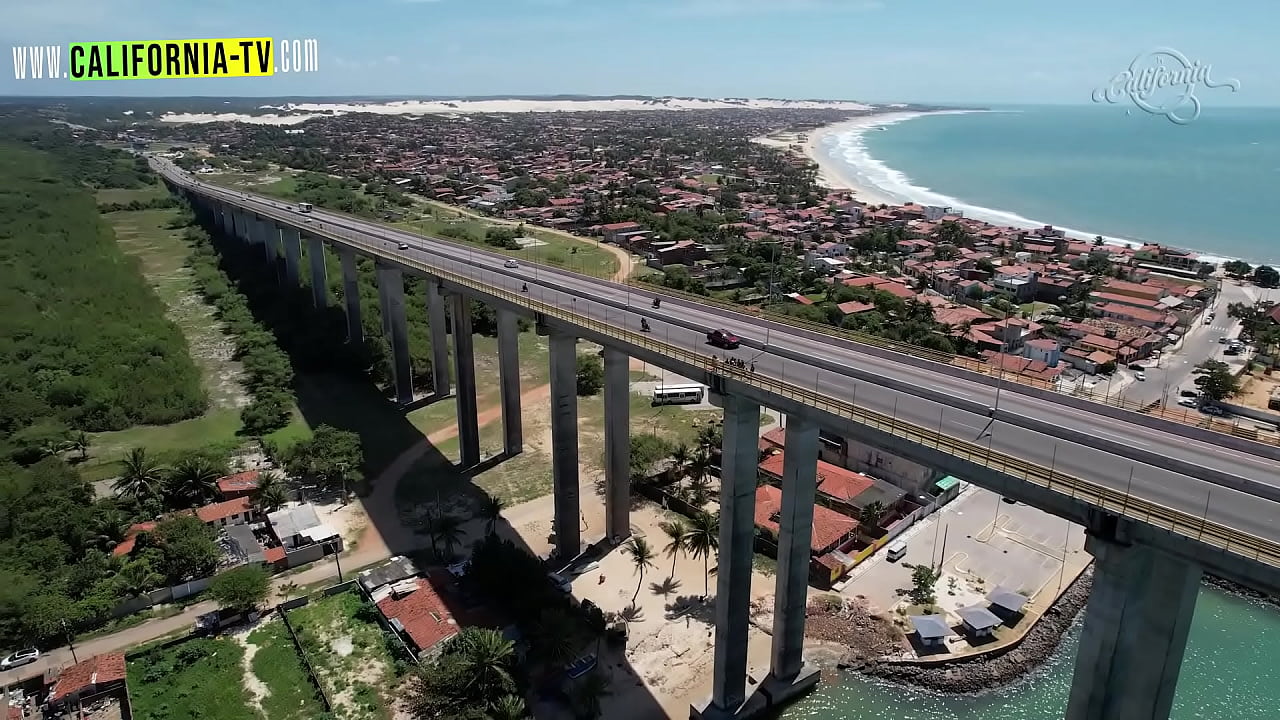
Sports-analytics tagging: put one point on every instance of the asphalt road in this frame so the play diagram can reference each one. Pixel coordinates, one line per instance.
(1244, 512)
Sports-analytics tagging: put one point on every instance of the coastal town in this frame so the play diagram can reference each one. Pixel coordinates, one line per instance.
(916, 576)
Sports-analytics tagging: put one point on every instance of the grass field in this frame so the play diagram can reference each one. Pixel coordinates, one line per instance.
(290, 695)
(350, 655)
(162, 254)
(201, 678)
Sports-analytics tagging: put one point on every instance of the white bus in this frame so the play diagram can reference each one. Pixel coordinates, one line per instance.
(677, 394)
(304, 207)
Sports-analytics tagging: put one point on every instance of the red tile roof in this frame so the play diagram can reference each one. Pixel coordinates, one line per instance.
(97, 670)
(829, 526)
(422, 613)
(224, 509)
(833, 480)
(238, 483)
(273, 555)
(131, 537)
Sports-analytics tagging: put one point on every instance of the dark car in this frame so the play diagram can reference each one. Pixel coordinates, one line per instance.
(724, 339)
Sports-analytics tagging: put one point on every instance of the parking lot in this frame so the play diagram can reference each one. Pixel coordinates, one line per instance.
(980, 538)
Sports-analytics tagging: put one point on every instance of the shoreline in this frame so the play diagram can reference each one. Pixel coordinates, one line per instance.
(835, 175)
(987, 673)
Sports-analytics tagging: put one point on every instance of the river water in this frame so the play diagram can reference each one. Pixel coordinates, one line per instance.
(1230, 671)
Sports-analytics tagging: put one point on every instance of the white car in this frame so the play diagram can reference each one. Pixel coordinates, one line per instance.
(403, 246)
(1188, 402)
(1140, 376)
(511, 264)
(20, 658)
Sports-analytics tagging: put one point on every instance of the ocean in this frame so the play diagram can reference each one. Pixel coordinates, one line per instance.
(1228, 672)
(1097, 170)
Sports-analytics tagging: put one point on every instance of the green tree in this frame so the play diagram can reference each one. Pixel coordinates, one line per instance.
(332, 457)
(646, 451)
(241, 588)
(590, 376)
(186, 546)
(141, 479)
(923, 580)
(869, 515)
(1219, 382)
(702, 541)
(637, 548)
(192, 481)
(675, 530)
(1266, 276)
(445, 529)
(271, 493)
(1237, 268)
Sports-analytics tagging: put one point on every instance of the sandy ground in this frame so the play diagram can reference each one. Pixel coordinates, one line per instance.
(305, 111)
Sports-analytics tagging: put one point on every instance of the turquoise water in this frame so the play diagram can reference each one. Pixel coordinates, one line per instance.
(1229, 672)
(1206, 186)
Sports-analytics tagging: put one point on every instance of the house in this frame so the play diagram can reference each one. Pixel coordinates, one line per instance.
(1005, 600)
(843, 490)
(241, 484)
(830, 528)
(298, 527)
(932, 630)
(236, 511)
(1044, 350)
(613, 230)
(97, 675)
(417, 611)
(978, 621)
(853, 307)
(124, 547)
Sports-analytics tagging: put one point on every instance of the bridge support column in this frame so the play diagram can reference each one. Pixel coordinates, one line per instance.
(270, 239)
(740, 456)
(464, 369)
(391, 282)
(292, 241)
(509, 377)
(788, 675)
(439, 337)
(1135, 632)
(383, 302)
(319, 274)
(237, 227)
(351, 295)
(617, 446)
(564, 443)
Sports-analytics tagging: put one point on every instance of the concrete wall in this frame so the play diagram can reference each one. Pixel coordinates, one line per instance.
(910, 476)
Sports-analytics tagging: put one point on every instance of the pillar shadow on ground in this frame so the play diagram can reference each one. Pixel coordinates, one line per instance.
(394, 449)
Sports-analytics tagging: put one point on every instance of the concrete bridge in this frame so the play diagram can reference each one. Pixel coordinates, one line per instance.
(1162, 502)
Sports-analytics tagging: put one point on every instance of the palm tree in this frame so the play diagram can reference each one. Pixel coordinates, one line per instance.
(509, 707)
(192, 481)
(675, 530)
(270, 493)
(680, 457)
(702, 540)
(491, 511)
(287, 591)
(870, 515)
(486, 656)
(588, 693)
(553, 637)
(80, 443)
(447, 529)
(141, 478)
(137, 577)
(642, 557)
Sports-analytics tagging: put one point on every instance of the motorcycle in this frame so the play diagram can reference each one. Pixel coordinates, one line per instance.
(656, 303)
(644, 325)
(524, 288)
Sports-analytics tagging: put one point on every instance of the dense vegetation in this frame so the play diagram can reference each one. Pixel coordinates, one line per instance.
(84, 343)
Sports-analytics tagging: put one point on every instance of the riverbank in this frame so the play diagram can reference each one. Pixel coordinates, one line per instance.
(982, 673)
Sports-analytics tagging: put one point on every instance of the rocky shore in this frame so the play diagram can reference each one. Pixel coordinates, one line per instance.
(984, 673)
(1243, 591)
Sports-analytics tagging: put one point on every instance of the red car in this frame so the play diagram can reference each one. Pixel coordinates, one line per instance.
(724, 339)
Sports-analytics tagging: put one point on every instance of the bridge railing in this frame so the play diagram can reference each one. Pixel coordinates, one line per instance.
(1198, 420)
(1188, 525)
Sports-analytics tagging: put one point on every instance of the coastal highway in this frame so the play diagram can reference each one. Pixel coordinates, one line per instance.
(795, 358)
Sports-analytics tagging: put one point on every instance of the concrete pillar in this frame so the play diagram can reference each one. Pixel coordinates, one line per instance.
(617, 445)
(795, 531)
(319, 274)
(391, 282)
(292, 241)
(351, 295)
(1135, 632)
(237, 226)
(439, 337)
(564, 443)
(464, 370)
(509, 376)
(269, 237)
(383, 312)
(740, 457)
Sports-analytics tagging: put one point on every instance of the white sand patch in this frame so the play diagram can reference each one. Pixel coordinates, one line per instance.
(258, 690)
(342, 645)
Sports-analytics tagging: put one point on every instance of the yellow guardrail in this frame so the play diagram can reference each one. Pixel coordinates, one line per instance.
(1135, 508)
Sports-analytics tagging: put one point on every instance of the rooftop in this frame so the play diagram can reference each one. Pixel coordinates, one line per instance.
(420, 611)
(829, 526)
(97, 670)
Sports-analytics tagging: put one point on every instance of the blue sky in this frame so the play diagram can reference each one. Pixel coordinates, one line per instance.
(979, 51)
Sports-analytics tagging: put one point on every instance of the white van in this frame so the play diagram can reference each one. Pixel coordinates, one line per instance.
(897, 549)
